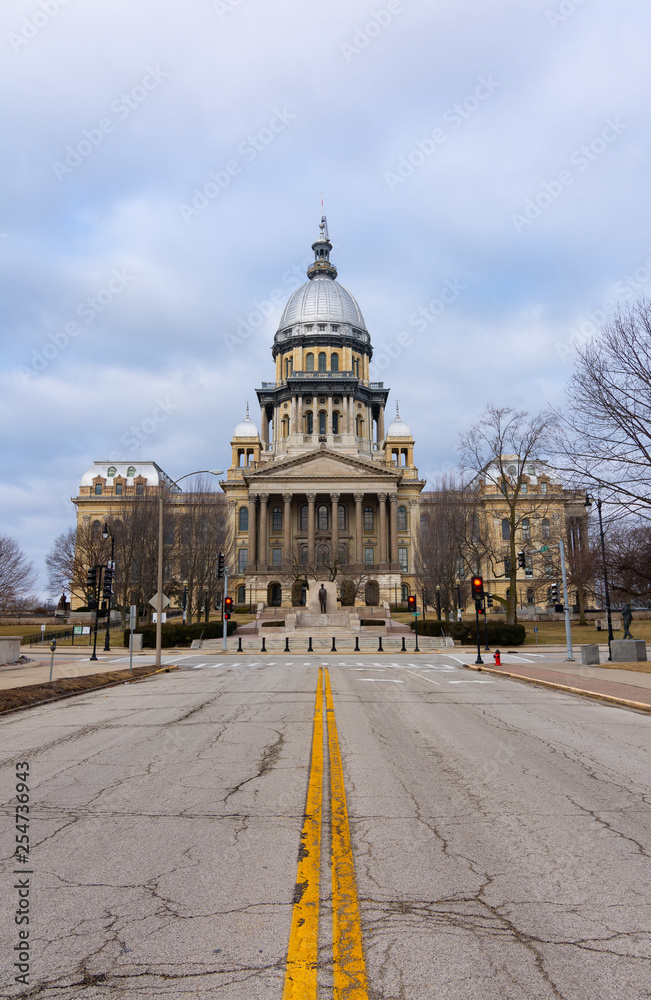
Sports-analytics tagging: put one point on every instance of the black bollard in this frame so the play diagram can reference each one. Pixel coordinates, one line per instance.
(357, 644)
(309, 645)
(287, 644)
(239, 644)
(379, 644)
(264, 648)
(403, 648)
(333, 648)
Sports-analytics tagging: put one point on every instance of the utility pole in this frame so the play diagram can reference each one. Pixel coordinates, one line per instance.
(224, 622)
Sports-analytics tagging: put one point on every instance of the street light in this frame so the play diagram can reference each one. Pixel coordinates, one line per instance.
(161, 500)
(438, 602)
(107, 641)
(588, 502)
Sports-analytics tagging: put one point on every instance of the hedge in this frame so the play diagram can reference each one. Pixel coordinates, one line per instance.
(180, 635)
(466, 631)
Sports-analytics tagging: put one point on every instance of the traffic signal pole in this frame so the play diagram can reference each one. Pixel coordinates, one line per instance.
(479, 659)
(566, 606)
(224, 623)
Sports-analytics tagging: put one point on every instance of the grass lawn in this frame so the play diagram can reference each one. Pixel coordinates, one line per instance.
(554, 632)
(30, 629)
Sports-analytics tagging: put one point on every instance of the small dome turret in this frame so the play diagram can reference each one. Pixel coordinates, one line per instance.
(398, 428)
(246, 428)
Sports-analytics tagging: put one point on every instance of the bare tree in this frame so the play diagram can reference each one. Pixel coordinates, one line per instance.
(628, 555)
(197, 531)
(17, 575)
(495, 454)
(60, 562)
(605, 441)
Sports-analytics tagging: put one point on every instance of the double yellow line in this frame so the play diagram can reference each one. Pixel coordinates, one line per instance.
(348, 955)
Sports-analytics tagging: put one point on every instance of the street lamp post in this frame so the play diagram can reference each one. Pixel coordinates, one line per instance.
(159, 593)
(588, 502)
(438, 602)
(107, 640)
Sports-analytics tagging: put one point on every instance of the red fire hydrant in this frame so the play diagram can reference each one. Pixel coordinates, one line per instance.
(497, 658)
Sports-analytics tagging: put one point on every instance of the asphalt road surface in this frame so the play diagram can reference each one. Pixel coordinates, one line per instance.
(263, 828)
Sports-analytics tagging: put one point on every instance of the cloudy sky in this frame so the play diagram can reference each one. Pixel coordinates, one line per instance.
(485, 171)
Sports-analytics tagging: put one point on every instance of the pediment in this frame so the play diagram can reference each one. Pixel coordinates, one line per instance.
(325, 465)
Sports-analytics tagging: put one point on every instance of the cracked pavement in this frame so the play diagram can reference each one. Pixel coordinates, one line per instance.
(501, 834)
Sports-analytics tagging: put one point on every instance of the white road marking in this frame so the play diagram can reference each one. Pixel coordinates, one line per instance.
(198, 666)
(512, 656)
(381, 680)
(471, 682)
(420, 676)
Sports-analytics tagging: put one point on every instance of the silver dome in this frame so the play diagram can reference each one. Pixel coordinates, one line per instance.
(398, 428)
(322, 300)
(246, 429)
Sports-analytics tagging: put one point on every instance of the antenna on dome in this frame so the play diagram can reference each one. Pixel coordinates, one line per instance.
(247, 410)
(397, 409)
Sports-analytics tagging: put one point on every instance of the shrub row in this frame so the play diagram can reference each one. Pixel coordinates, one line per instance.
(466, 632)
(180, 635)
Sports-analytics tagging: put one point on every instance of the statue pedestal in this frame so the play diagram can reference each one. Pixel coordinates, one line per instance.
(313, 604)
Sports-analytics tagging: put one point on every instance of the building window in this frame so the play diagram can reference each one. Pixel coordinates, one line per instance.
(403, 559)
(323, 555)
(475, 534)
(507, 566)
(96, 529)
(323, 362)
(131, 471)
(334, 363)
(335, 423)
(343, 555)
(169, 534)
(322, 326)
(322, 518)
(309, 422)
(277, 519)
(402, 518)
(118, 489)
(111, 471)
(369, 555)
(368, 519)
(303, 555)
(546, 533)
(549, 566)
(513, 471)
(543, 487)
(241, 594)
(342, 517)
(526, 529)
(140, 489)
(360, 426)
(98, 489)
(185, 531)
(303, 517)
(309, 362)
(285, 427)
(276, 557)
(242, 559)
(524, 489)
(244, 519)
(404, 592)
(356, 367)
(531, 597)
(506, 529)
(323, 417)
(503, 487)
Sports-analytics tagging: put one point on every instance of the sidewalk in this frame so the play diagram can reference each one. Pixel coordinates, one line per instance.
(627, 686)
(66, 664)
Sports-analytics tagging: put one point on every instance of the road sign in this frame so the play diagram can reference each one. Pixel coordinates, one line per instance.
(535, 628)
(545, 548)
(133, 616)
(163, 617)
(164, 602)
(42, 628)
(76, 630)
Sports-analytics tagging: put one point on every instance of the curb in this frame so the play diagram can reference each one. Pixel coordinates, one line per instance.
(74, 694)
(611, 699)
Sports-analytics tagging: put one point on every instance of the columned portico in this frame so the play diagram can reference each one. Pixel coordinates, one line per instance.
(262, 550)
(253, 535)
(394, 528)
(287, 530)
(359, 499)
(334, 520)
(382, 499)
(311, 538)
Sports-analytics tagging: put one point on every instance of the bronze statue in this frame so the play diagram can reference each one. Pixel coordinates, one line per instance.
(627, 618)
(323, 599)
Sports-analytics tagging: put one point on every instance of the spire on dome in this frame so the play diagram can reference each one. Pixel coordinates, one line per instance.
(322, 266)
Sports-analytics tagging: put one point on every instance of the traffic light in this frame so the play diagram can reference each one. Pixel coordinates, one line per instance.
(220, 566)
(107, 589)
(554, 593)
(411, 603)
(480, 608)
(477, 587)
(228, 607)
(489, 600)
(522, 559)
(91, 580)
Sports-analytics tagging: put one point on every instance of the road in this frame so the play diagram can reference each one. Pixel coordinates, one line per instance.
(492, 840)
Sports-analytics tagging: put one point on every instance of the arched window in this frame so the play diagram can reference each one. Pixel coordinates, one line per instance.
(343, 554)
(323, 555)
(323, 418)
(285, 427)
(277, 519)
(244, 519)
(526, 529)
(303, 517)
(475, 533)
(360, 426)
(140, 489)
(512, 470)
(322, 518)
(368, 519)
(404, 592)
(96, 529)
(303, 555)
(241, 594)
(131, 471)
(309, 422)
(323, 361)
(335, 423)
(531, 596)
(169, 533)
(309, 362)
(334, 363)
(402, 518)
(506, 529)
(185, 531)
(342, 517)
(545, 528)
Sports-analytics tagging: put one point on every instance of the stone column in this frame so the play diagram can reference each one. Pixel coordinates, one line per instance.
(359, 527)
(294, 415)
(329, 428)
(300, 415)
(287, 531)
(382, 499)
(311, 535)
(264, 426)
(344, 414)
(253, 547)
(394, 527)
(380, 425)
(263, 555)
(334, 500)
